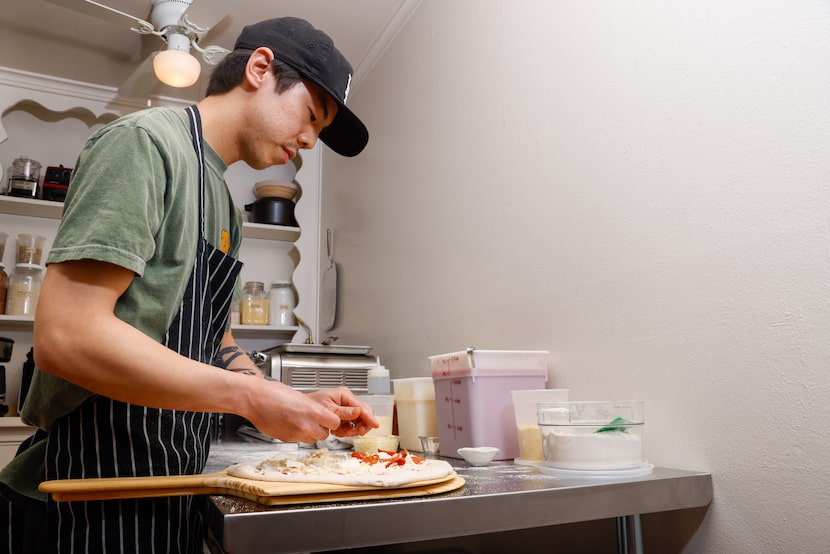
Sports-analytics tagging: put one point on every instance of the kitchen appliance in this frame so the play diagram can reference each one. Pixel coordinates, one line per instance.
(56, 183)
(311, 367)
(25, 178)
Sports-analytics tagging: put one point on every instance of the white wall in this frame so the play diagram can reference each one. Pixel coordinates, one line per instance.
(638, 187)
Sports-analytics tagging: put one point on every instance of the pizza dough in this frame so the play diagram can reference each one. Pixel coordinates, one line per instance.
(385, 469)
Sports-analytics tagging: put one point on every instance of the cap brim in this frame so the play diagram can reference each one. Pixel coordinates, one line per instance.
(346, 135)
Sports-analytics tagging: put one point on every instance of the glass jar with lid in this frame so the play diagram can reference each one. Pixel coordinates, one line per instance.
(24, 289)
(253, 308)
(282, 302)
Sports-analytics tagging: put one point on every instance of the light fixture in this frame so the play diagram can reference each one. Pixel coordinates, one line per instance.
(175, 66)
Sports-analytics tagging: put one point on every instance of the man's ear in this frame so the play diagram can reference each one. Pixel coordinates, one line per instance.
(258, 66)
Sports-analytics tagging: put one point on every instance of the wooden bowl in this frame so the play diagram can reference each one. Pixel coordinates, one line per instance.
(275, 189)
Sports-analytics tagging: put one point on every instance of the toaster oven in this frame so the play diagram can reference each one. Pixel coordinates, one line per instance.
(311, 367)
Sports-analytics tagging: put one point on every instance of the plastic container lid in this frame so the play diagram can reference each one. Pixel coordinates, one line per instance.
(489, 359)
(28, 266)
(639, 470)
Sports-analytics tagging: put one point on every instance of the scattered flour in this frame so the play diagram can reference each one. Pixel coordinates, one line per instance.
(568, 449)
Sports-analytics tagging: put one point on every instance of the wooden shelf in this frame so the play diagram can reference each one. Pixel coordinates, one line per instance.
(30, 207)
(53, 210)
(22, 322)
(14, 422)
(17, 322)
(270, 232)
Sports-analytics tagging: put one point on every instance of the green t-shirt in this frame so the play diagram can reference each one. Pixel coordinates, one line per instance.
(133, 202)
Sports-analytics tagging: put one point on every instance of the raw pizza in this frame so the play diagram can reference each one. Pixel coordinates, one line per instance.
(384, 469)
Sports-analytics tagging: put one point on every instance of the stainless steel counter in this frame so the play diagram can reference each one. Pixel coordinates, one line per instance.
(501, 497)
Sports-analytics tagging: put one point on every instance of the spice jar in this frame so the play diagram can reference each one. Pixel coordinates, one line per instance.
(24, 289)
(253, 308)
(29, 248)
(282, 302)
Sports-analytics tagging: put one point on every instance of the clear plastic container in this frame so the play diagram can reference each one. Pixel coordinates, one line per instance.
(282, 301)
(24, 289)
(527, 429)
(415, 405)
(253, 308)
(29, 248)
(3, 238)
(592, 435)
(383, 406)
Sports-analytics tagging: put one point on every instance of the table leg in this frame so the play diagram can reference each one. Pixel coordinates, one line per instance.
(636, 534)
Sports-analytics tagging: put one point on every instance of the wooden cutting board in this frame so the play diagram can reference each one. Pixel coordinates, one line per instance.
(265, 492)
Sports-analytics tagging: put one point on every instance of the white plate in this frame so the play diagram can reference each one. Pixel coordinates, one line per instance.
(637, 471)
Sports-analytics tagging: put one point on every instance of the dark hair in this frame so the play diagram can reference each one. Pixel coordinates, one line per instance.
(228, 73)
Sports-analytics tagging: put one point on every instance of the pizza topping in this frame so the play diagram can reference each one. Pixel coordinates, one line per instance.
(322, 461)
(383, 469)
(388, 458)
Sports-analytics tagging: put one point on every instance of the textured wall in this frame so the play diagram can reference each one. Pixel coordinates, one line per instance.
(638, 187)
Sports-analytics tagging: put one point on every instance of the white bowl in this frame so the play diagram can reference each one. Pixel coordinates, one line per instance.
(478, 455)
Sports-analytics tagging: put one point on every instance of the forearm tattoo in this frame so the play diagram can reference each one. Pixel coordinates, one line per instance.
(227, 355)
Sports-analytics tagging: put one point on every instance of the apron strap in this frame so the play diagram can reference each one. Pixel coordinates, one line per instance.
(199, 148)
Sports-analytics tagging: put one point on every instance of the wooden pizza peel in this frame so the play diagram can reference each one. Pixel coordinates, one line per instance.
(270, 493)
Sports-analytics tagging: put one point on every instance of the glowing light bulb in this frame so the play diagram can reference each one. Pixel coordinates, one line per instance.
(175, 66)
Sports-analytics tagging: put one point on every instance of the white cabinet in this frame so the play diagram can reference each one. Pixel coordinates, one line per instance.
(49, 120)
(12, 433)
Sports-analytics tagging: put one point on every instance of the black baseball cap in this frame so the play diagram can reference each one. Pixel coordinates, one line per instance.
(312, 53)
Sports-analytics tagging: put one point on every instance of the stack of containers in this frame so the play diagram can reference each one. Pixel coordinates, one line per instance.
(473, 401)
(380, 399)
(415, 405)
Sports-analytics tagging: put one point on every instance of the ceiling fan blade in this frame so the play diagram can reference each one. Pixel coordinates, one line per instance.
(101, 11)
(141, 82)
(207, 13)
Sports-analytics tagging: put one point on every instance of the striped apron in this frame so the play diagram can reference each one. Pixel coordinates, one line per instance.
(107, 438)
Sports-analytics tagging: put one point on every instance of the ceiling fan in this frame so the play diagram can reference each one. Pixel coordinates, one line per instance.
(181, 24)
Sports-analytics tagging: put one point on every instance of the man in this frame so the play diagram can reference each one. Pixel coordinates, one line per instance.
(131, 338)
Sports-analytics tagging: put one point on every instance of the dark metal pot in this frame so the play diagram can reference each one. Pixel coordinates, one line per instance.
(273, 211)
